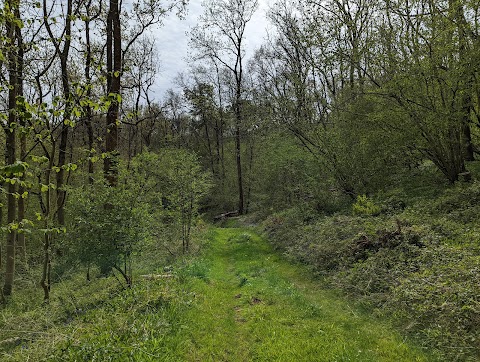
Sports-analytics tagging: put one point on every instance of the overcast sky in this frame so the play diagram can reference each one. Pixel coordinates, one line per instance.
(172, 41)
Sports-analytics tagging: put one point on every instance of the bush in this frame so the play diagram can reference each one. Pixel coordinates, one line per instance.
(325, 244)
(172, 184)
(106, 225)
(420, 266)
(365, 206)
(378, 265)
(157, 197)
(440, 301)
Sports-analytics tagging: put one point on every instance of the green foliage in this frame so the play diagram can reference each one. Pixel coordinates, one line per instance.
(95, 321)
(255, 306)
(416, 261)
(171, 184)
(365, 206)
(106, 224)
(326, 244)
(194, 269)
(288, 176)
(266, 309)
(156, 199)
(439, 301)
(364, 148)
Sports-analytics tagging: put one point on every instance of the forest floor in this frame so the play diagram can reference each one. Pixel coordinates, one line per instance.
(238, 300)
(253, 305)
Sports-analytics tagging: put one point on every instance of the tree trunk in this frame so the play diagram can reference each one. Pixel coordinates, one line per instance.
(209, 145)
(220, 140)
(250, 173)
(89, 124)
(61, 193)
(21, 245)
(45, 281)
(114, 65)
(62, 151)
(238, 124)
(469, 152)
(239, 160)
(88, 79)
(11, 214)
(63, 54)
(458, 13)
(10, 142)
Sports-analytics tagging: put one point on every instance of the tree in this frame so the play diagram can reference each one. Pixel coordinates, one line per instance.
(90, 16)
(220, 37)
(173, 178)
(12, 49)
(429, 78)
(395, 72)
(119, 44)
(106, 237)
(144, 113)
(114, 71)
(204, 122)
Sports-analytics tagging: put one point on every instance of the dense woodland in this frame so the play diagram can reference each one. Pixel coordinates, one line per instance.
(350, 137)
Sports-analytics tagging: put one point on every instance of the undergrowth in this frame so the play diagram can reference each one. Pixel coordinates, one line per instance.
(100, 319)
(416, 261)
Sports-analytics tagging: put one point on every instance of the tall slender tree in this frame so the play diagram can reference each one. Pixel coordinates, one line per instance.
(22, 190)
(62, 46)
(220, 36)
(12, 29)
(114, 70)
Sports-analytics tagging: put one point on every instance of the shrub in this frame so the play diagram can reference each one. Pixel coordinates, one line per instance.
(378, 266)
(365, 206)
(173, 183)
(440, 301)
(325, 244)
(419, 267)
(106, 225)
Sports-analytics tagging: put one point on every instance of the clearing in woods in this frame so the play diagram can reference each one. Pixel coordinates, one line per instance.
(253, 305)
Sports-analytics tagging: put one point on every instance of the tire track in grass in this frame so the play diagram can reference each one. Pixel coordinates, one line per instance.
(252, 305)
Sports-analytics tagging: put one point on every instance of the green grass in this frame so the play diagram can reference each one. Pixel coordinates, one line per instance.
(252, 305)
(239, 301)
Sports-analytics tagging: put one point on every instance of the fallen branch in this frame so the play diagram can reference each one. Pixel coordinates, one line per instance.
(225, 215)
(156, 276)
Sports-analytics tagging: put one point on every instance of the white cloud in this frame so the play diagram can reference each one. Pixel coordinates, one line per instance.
(172, 41)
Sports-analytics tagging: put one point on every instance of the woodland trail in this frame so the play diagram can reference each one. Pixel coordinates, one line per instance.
(253, 305)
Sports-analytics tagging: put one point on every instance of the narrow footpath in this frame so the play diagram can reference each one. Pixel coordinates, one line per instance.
(252, 305)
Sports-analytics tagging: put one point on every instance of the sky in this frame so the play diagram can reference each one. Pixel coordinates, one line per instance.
(172, 42)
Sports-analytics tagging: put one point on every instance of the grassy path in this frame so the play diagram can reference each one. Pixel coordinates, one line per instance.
(251, 305)
(239, 302)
